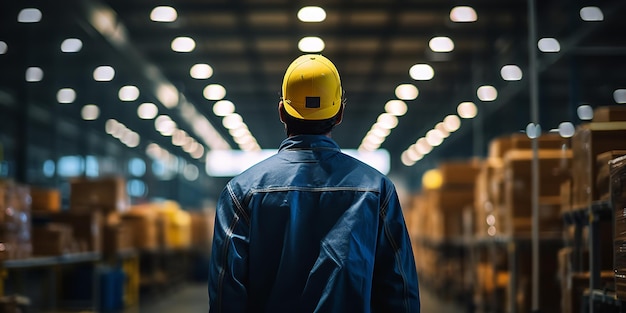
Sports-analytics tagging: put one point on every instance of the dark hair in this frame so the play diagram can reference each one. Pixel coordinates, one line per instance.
(296, 126)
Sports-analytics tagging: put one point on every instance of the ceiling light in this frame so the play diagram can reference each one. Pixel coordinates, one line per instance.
(467, 110)
(487, 93)
(30, 15)
(421, 72)
(452, 123)
(442, 129)
(34, 74)
(90, 112)
(201, 71)
(387, 121)
(214, 92)
(147, 111)
(396, 107)
(566, 129)
(242, 130)
(413, 154)
(619, 95)
(71, 45)
(183, 44)
(406, 92)
(422, 146)
(311, 44)
(163, 14)
(533, 131)
(198, 152)
(462, 14)
(511, 72)
(232, 121)
(128, 93)
(3, 47)
(161, 120)
(585, 112)
(167, 128)
(168, 95)
(103, 73)
(66, 95)
(223, 108)
(311, 14)
(406, 159)
(549, 45)
(191, 172)
(110, 126)
(179, 138)
(591, 14)
(379, 131)
(434, 137)
(441, 44)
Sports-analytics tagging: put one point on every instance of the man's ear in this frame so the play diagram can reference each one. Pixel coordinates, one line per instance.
(340, 114)
(281, 112)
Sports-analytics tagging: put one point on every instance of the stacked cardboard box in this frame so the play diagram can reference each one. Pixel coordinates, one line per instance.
(618, 202)
(15, 221)
(53, 239)
(45, 199)
(609, 113)
(142, 221)
(589, 141)
(106, 194)
(202, 223)
(517, 206)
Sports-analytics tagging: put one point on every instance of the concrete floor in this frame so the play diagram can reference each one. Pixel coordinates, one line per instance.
(194, 298)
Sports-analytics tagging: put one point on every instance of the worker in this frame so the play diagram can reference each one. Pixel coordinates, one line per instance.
(311, 229)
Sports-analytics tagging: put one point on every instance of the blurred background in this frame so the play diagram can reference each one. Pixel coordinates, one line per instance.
(121, 122)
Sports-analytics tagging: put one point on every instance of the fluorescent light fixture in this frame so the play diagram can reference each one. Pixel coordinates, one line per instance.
(311, 14)
(619, 95)
(467, 110)
(387, 121)
(591, 14)
(463, 14)
(442, 129)
(168, 95)
(29, 15)
(214, 92)
(34, 74)
(90, 112)
(128, 93)
(311, 44)
(452, 123)
(441, 44)
(421, 72)
(549, 45)
(103, 73)
(585, 112)
(423, 147)
(201, 71)
(163, 14)
(566, 129)
(183, 44)
(147, 111)
(487, 93)
(66, 95)
(71, 45)
(223, 108)
(511, 72)
(3, 47)
(406, 92)
(533, 130)
(434, 137)
(396, 107)
(232, 121)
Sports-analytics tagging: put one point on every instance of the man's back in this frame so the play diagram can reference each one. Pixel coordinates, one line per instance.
(311, 230)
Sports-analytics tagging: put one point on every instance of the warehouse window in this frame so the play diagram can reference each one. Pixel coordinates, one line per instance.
(136, 188)
(137, 167)
(48, 168)
(70, 166)
(92, 168)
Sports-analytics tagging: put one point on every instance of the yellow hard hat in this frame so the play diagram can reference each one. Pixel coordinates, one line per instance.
(312, 88)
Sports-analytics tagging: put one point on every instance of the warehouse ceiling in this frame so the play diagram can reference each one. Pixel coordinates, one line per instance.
(248, 44)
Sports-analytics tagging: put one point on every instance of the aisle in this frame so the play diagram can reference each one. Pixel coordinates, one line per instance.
(193, 298)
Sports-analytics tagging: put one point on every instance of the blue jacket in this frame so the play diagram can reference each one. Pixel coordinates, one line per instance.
(311, 229)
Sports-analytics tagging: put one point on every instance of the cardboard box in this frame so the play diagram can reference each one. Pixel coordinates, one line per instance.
(459, 174)
(202, 223)
(86, 228)
(45, 199)
(116, 239)
(52, 239)
(609, 113)
(142, 220)
(589, 141)
(103, 194)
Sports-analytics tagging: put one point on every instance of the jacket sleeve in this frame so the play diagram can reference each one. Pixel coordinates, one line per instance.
(228, 269)
(395, 284)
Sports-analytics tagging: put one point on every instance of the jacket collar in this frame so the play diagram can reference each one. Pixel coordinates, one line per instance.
(306, 142)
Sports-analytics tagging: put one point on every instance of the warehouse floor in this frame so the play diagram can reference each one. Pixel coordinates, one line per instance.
(193, 298)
